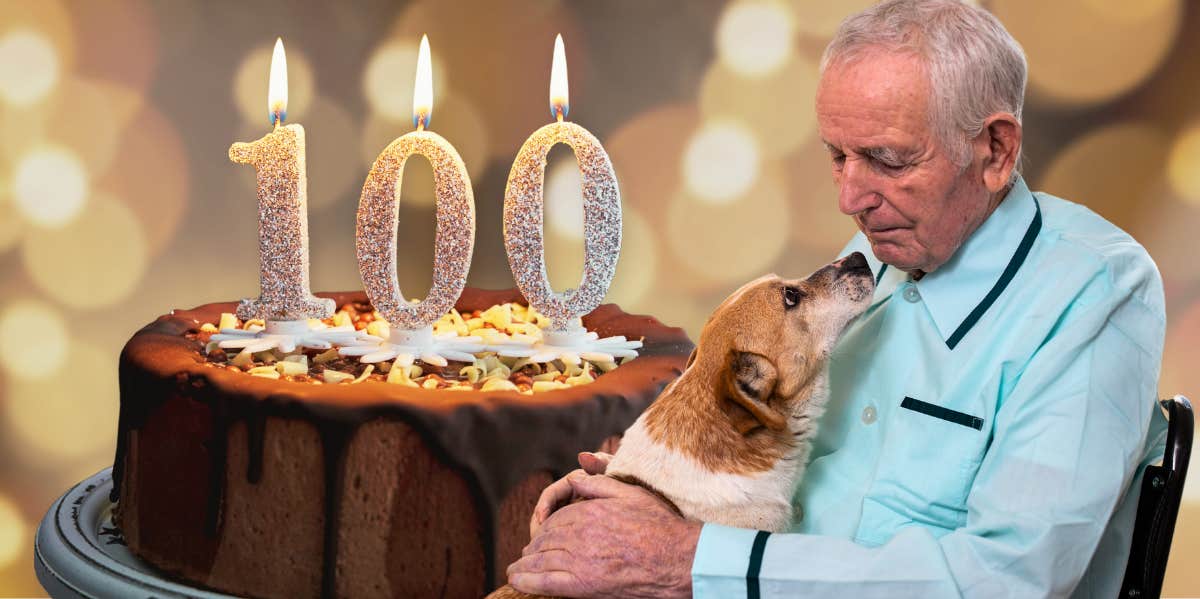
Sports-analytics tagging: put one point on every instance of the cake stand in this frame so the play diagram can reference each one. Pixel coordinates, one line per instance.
(78, 551)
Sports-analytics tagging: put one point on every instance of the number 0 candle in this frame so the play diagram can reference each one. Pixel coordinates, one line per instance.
(411, 325)
(278, 159)
(523, 201)
(566, 337)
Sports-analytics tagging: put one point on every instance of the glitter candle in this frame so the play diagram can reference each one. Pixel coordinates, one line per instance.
(278, 159)
(523, 213)
(411, 325)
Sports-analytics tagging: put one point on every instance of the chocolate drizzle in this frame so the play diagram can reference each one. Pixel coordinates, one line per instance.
(218, 448)
(256, 424)
(494, 439)
(334, 440)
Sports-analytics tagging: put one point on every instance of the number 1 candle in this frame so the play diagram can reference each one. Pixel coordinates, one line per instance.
(278, 159)
(285, 301)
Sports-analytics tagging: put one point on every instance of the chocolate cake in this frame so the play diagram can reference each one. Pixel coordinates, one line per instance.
(285, 488)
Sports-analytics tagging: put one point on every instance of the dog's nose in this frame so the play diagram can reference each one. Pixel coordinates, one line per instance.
(855, 262)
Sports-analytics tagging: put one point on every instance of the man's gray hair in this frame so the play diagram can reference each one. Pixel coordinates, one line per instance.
(974, 65)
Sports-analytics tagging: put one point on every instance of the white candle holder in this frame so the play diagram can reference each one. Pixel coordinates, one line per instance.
(406, 345)
(286, 336)
(378, 210)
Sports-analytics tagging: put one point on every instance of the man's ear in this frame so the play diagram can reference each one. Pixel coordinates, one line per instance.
(1002, 134)
(749, 382)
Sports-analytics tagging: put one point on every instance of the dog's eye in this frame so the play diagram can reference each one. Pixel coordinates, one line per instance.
(791, 296)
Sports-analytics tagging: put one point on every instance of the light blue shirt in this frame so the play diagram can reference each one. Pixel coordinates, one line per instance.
(987, 425)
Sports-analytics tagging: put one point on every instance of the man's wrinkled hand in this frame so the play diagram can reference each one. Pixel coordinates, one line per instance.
(559, 493)
(622, 541)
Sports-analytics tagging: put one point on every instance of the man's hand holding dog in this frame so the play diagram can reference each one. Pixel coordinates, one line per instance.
(644, 549)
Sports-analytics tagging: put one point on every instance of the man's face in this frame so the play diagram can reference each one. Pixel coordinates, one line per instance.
(895, 178)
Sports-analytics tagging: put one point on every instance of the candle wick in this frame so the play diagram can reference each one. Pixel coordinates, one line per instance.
(558, 113)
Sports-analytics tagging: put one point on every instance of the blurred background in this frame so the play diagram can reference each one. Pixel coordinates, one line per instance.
(118, 201)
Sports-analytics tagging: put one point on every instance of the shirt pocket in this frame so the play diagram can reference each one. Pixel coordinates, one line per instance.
(930, 455)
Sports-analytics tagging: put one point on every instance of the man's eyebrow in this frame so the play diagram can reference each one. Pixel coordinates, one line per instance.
(885, 154)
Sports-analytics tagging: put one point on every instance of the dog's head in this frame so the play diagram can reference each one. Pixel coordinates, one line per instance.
(769, 340)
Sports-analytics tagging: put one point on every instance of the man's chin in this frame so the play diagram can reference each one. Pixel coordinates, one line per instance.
(894, 255)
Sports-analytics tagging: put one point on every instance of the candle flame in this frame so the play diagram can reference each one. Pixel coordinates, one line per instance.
(559, 101)
(423, 90)
(277, 90)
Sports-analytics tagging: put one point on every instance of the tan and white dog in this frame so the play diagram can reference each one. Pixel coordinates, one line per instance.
(728, 441)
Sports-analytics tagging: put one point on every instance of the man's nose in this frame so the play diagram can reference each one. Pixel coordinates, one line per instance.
(856, 192)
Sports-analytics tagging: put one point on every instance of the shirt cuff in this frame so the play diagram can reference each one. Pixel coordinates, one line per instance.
(721, 562)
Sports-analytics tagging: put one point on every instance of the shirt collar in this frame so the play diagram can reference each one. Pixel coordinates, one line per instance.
(958, 293)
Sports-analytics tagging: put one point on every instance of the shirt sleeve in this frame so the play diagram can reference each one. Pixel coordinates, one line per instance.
(1067, 441)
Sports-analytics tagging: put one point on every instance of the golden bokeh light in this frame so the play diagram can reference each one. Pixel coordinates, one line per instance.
(14, 531)
(1166, 230)
(777, 109)
(33, 339)
(11, 229)
(1183, 166)
(81, 401)
(563, 195)
(333, 171)
(49, 18)
(721, 161)
(821, 228)
(150, 175)
(1129, 11)
(508, 56)
(737, 240)
(28, 67)
(820, 18)
(416, 184)
(122, 40)
(639, 149)
(755, 37)
(254, 76)
(457, 120)
(92, 262)
(1079, 54)
(89, 116)
(636, 267)
(388, 81)
(50, 185)
(1113, 170)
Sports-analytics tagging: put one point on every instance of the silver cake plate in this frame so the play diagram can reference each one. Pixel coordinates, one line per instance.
(78, 551)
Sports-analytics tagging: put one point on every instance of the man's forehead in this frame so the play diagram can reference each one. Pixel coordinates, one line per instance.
(875, 101)
(876, 79)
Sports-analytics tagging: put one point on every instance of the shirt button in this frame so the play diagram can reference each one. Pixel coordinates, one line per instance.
(912, 295)
(868, 415)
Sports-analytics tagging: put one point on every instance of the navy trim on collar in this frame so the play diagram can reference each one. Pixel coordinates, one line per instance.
(1009, 272)
(879, 277)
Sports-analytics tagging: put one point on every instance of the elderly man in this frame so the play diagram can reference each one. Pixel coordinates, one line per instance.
(989, 412)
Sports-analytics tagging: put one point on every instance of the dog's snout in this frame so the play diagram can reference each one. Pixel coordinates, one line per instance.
(854, 263)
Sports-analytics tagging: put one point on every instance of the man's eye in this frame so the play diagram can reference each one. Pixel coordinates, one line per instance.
(792, 296)
(888, 166)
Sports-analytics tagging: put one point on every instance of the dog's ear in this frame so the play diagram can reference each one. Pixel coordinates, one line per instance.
(691, 358)
(749, 383)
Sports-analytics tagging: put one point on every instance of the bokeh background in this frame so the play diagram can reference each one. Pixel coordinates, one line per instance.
(118, 201)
